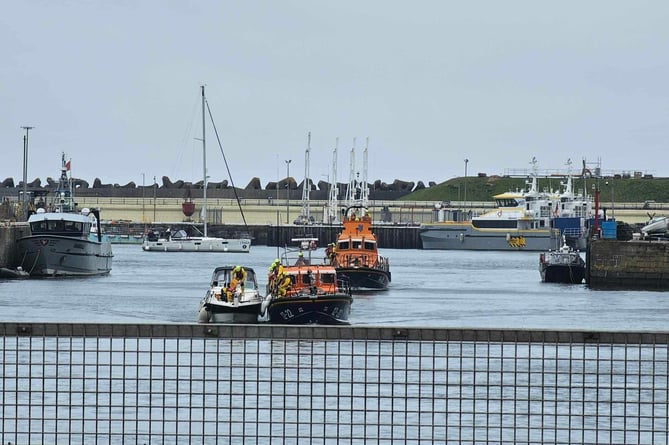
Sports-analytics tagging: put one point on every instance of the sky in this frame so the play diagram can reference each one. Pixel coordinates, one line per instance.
(424, 85)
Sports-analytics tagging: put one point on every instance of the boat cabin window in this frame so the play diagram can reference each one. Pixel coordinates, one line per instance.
(370, 245)
(356, 244)
(327, 278)
(180, 234)
(64, 228)
(74, 227)
(344, 245)
(308, 279)
(38, 227)
(507, 202)
(221, 279)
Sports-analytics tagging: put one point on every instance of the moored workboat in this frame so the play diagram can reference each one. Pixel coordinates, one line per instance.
(300, 292)
(233, 296)
(64, 241)
(355, 255)
(564, 265)
(522, 220)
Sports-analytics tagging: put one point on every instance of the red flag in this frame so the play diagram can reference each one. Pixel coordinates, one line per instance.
(67, 165)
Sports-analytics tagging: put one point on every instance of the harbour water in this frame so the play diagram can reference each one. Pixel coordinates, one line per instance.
(446, 289)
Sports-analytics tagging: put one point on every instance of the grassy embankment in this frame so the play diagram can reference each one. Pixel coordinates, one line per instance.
(623, 190)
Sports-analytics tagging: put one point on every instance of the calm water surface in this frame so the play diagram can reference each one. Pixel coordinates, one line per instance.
(456, 289)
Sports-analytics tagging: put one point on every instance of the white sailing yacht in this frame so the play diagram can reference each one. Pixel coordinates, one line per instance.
(180, 240)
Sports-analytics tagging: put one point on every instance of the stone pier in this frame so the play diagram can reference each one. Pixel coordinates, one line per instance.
(628, 264)
(9, 233)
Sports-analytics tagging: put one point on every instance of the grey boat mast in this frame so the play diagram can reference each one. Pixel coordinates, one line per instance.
(306, 185)
(332, 215)
(357, 193)
(204, 165)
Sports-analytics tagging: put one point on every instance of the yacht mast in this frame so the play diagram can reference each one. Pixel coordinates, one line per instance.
(332, 215)
(204, 167)
(364, 189)
(351, 190)
(306, 186)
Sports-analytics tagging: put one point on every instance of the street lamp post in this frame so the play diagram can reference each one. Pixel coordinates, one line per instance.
(154, 199)
(288, 161)
(24, 201)
(465, 197)
(143, 207)
(613, 201)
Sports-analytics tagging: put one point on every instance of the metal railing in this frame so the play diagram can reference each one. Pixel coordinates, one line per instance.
(190, 383)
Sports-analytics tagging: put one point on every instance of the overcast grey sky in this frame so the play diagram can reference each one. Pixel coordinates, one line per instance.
(115, 85)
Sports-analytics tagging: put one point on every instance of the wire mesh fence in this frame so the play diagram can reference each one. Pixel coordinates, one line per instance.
(190, 383)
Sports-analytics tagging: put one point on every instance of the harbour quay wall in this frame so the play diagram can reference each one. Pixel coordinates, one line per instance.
(9, 233)
(633, 264)
(253, 211)
(388, 236)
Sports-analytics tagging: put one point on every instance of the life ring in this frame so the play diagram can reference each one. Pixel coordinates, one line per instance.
(499, 213)
(556, 211)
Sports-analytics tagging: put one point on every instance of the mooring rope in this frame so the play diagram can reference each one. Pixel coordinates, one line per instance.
(39, 251)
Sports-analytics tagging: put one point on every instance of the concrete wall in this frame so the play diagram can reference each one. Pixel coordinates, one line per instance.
(259, 212)
(628, 264)
(9, 233)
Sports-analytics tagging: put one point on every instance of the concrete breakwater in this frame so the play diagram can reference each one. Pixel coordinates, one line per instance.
(628, 264)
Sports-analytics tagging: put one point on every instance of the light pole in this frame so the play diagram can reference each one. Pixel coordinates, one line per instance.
(613, 201)
(24, 201)
(288, 161)
(465, 198)
(154, 199)
(143, 178)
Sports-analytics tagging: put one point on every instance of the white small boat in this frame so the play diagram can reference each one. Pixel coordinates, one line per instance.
(657, 225)
(230, 301)
(166, 240)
